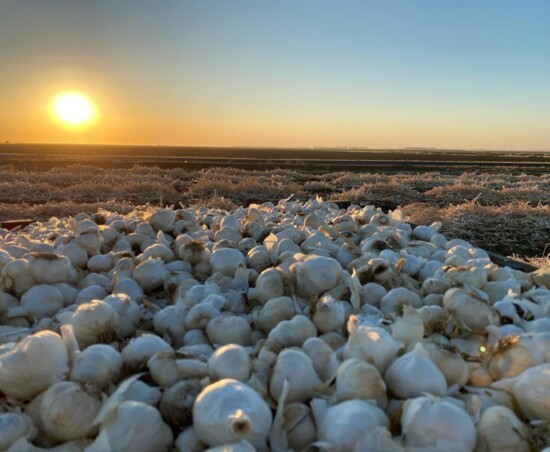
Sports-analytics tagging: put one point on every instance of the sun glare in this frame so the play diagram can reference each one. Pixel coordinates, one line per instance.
(72, 108)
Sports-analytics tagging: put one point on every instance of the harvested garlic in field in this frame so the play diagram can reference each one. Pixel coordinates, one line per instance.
(67, 410)
(441, 424)
(229, 411)
(414, 374)
(99, 365)
(33, 365)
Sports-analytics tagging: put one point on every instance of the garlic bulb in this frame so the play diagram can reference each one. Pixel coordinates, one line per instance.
(357, 379)
(176, 404)
(40, 301)
(94, 322)
(371, 344)
(500, 429)
(341, 426)
(67, 410)
(393, 302)
(453, 367)
(226, 261)
(329, 315)
(409, 327)
(34, 364)
(229, 329)
(140, 349)
(531, 389)
(470, 309)
(49, 268)
(133, 426)
(128, 313)
(297, 368)
(275, 311)
(14, 426)
(230, 361)
(188, 441)
(150, 274)
(512, 354)
(228, 411)
(99, 365)
(440, 424)
(414, 374)
(315, 275)
(290, 333)
(270, 284)
(324, 359)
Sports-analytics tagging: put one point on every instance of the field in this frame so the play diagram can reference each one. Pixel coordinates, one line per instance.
(500, 202)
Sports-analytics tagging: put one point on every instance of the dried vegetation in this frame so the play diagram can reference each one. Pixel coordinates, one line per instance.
(506, 213)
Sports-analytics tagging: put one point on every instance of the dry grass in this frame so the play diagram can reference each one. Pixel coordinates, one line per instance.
(506, 213)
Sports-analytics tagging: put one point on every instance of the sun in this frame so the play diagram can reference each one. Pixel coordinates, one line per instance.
(72, 108)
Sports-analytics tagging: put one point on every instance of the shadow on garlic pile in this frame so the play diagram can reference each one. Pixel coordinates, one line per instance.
(274, 327)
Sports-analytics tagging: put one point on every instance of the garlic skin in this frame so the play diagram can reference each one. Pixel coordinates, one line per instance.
(441, 424)
(14, 426)
(414, 374)
(99, 365)
(67, 411)
(34, 364)
(343, 425)
(228, 411)
(150, 274)
(357, 379)
(133, 426)
(294, 366)
(500, 429)
(230, 361)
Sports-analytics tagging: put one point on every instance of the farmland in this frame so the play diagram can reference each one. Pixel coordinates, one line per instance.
(498, 201)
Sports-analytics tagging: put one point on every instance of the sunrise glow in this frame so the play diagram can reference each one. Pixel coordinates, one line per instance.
(73, 109)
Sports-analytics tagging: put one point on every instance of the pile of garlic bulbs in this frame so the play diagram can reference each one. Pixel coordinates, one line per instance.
(273, 327)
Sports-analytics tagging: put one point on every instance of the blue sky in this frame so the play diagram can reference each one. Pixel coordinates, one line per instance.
(285, 73)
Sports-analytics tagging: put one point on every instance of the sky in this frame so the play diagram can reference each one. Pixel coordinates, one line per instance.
(463, 74)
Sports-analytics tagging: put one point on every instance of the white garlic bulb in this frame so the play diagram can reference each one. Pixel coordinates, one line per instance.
(140, 349)
(133, 426)
(315, 275)
(129, 314)
(99, 365)
(229, 329)
(40, 301)
(176, 404)
(275, 311)
(228, 411)
(150, 275)
(230, 361)
(329, 315)
(67, 410)
(297, 368)
(371, 344)
(324, 359)
(531, 389)
(440, 424)
(512, 354)
(409, 327)
(49, 268)
(226, 261)
(470, 309)
(94, 322)
(357, 379)
(414, 374)
(34, 364)
(14, 426)
(341, 426)
(291, 333)
(392, 303)
(500, 429)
